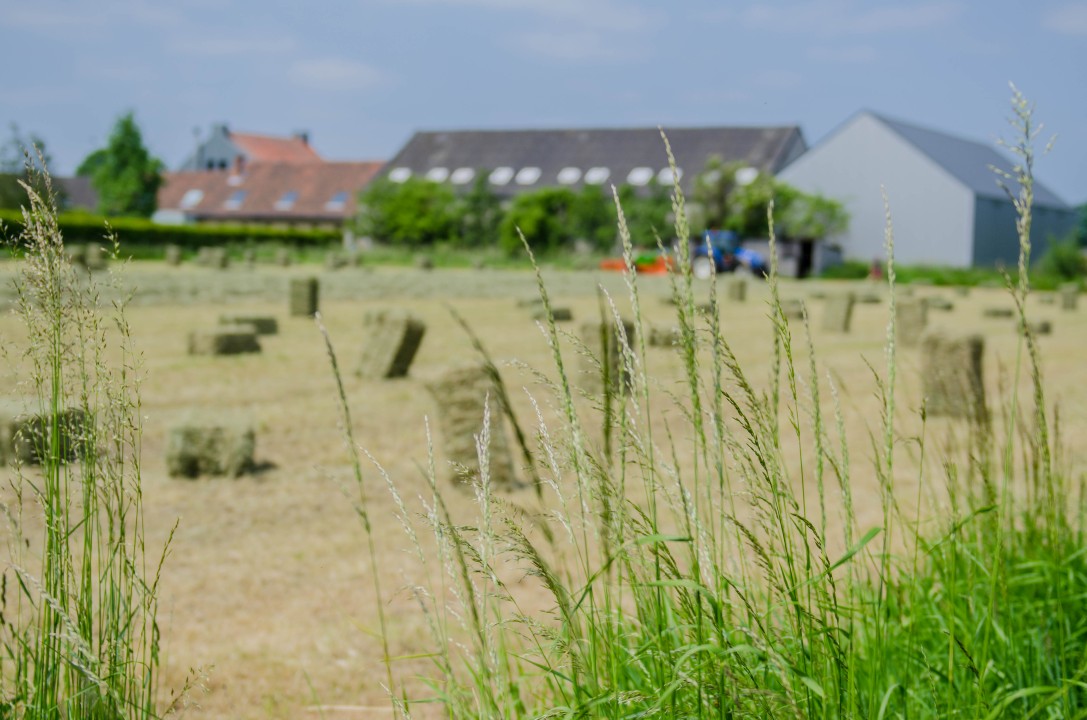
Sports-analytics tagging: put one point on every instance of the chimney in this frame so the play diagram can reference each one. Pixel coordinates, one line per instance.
(302, 135)
(239, 164)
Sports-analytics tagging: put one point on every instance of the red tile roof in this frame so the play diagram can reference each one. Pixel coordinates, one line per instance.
(269, 149)
(263, 191)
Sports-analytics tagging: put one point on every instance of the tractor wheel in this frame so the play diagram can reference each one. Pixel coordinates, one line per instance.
(702, 267)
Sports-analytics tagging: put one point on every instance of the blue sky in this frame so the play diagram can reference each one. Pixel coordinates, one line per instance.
(362, 75)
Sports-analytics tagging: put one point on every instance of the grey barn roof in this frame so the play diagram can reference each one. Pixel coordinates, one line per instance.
(966, 160)
(619, 150)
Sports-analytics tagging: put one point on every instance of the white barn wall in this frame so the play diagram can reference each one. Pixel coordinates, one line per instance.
(933, 213)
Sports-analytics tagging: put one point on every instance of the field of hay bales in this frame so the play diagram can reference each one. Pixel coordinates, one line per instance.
(266, 595)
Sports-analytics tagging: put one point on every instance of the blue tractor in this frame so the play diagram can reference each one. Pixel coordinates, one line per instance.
(720, 251)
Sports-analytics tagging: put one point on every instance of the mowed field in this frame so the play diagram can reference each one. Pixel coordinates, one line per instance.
(266, 595)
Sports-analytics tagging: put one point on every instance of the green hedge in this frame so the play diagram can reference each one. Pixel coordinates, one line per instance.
(141, 235)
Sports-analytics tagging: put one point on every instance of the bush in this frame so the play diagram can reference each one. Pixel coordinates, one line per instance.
(415, 213)
(1064, 260)
(543, 217)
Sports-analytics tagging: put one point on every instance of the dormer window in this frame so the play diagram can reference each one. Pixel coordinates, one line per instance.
(569, 175)
(667, 177)
(400, 174)
(639, 176)
(597, 175)
(337, 202)
(191, 198)
(501, 176)
(528, 175)
(287, 201)
(462, 176)
(235, 200)
(438, 174)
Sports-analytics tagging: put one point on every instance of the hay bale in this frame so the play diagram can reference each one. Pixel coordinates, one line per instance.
(664, 336)
(939, 303)
(461, 395)
(283, 257)
(560, 314)
(603, 340)
(76, 254)
(707, 308)
(249, 257)
(1069, 293)
(530, 302)
(424, 262)
(262, 324)
(1038, 327)
(392, 340)
(173, 255)
(817, 295)
(952, 377)
(224, 340)
(303, 297)
(838, 314)
(792, 308)
(95, 258)
(210, 447)
(213, 257)
(335, 261)
(25, 433)
(736, 289)
(870, 298)
(997, 312)
(911, 317)
(962, 290)
(1047, 298)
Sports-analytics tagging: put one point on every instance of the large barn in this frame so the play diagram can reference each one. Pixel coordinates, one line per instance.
(946, 205)
(517, 161)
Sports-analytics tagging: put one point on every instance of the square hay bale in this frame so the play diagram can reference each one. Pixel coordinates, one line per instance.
(76, 254)
(1069, 293)
(911, 317)
(335, 260)
(1047, 298)
(736, 289)
(224, 340)
(424, 262)
(939, 303)
(997, 312)
(262, 324)
(283, 257)
(664, 336)
(560, 314)
(604, 341)
(461, 395)
(198, 447)
(25, 433)
(213, 257)
(249, 257)
(838, 314)
(392, 340)
(95, 258)
(952, 378)
(792, 308)
(530, 302)
(870, 297)
(303, 297)
(1038, 327)
(962, 290)
(173, 255)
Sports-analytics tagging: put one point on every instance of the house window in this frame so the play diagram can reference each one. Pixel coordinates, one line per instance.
(667, 177)
(337, 202)
(462, 176)
(438, 174)
(191, 198)
(597, 175)
(400, 174)
(569, 175)
(287, 201)
(639, 176)
(501, 176)
(528, 175)
(235, 200)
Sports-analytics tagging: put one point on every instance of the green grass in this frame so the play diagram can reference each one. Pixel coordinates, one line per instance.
(682, 605)
(78, 631)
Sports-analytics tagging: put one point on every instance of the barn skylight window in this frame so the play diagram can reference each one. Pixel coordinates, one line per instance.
(639, 176)
(501, 176)
(667, 177)
(569, 175)
(337, 202)
(400, 174)
(191, 198)
(462, 176)
(528, 175)
(746, 175)
(438, 174)
(597, 175)
(235, 200)
(287, 201)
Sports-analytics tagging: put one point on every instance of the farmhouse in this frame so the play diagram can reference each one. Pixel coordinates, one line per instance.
(243, 178)
(516, 161)
(946, 204)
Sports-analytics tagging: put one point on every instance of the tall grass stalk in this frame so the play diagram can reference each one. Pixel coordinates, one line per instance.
(78, 630)
(691, 570)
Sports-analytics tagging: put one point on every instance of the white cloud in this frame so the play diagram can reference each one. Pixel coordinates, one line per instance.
(1068, 19)
(334, 75)
(850, 17)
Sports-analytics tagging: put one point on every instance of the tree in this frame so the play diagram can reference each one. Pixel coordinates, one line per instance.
(414, 213)
(24, 159)
(543, 218)
(124, 173)
(713, 189)
(480, 213)
(648, 216)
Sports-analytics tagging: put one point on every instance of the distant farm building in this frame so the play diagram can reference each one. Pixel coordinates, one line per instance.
(946, 205)
(244, 178)
(517, 161)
